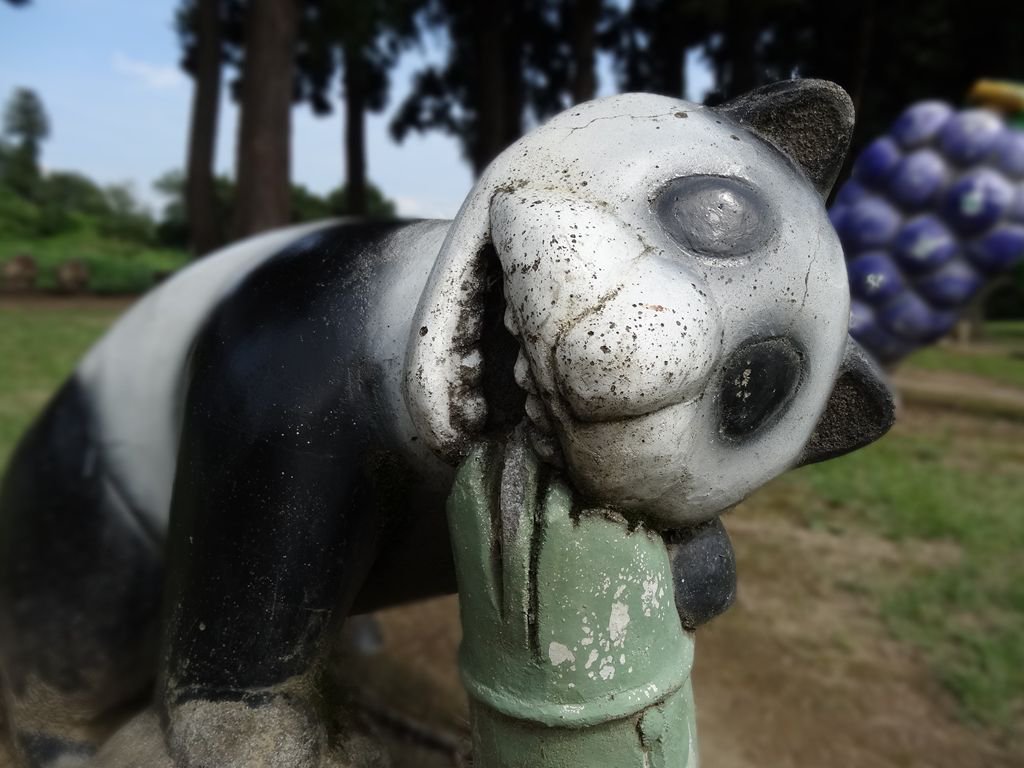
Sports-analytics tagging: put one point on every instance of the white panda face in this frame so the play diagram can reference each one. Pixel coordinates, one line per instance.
(683, 314)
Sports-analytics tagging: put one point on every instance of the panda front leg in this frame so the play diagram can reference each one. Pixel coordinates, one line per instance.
(268, 545)
(260, 569)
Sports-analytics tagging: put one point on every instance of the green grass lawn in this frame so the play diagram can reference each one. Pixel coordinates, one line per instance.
(1006, 331)
(999, 358)
(114, 267)
(39, 346)
(937, 477)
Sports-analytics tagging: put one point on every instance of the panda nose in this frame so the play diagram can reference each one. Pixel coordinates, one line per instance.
(759, 380)
(635, 357)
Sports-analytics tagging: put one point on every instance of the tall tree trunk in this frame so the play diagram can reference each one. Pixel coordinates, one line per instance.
(200, 193)
(741, 40)
(862, 55)
(264, 135)
(669, 52)
(490, 96)
(355, 131)
(513, 104)
(583, 17)
(676, 26)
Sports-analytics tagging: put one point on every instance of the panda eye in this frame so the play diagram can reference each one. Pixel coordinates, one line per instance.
(714, 215)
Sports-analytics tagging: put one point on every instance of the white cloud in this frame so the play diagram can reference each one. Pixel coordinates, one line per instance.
(153, 76)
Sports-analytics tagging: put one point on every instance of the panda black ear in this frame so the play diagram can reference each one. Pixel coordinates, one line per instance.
(811, 121)
(860, 410)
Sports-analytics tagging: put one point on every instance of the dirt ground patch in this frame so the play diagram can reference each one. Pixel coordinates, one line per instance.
(799, 673)
(960, 391)
(802, 673)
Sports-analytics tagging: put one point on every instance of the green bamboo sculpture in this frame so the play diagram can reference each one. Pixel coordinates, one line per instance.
(572, 652)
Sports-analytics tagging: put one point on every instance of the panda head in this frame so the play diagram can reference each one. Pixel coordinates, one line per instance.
(677, 296)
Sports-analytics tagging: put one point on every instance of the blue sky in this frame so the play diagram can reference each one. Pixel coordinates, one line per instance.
(107, 71)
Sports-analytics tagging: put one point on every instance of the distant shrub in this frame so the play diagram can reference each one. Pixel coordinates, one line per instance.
(120, 276)
(72, 276)
(19, 274)
(114, 266)
(74, 193)
(127, 219)
(18, 216)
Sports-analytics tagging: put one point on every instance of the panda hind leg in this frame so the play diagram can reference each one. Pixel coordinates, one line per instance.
(80, 588)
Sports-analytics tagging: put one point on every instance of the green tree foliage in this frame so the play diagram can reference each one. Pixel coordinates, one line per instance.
(128, 218)
(649, 40)
(5, 155)
(309, 206)
(66, 202)
(33, 204)
(18, 217)
(25, 119)
(377, 205)
(172, 230)
(886, 55)
(305, 205)
(70, 201)
(508, 63)
(26, 126)
(186, 24)
(75, 192)
(368, 36)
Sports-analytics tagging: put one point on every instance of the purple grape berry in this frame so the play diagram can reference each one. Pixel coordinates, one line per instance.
(876, 162)
(999, 249)
(977, 200)
(968, 136)
(923, 244)
(865, 328)
(911, 317)
(874, 278)
(917, 178)
(950, 286)
(870, 223)
(920, 123)
(1008, 153)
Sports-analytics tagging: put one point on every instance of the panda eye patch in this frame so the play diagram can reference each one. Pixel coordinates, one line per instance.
(714, 216)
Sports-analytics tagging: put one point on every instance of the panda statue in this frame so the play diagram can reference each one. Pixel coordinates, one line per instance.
(263, 445)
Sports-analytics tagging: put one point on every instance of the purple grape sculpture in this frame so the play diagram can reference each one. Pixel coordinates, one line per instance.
(933, 211)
